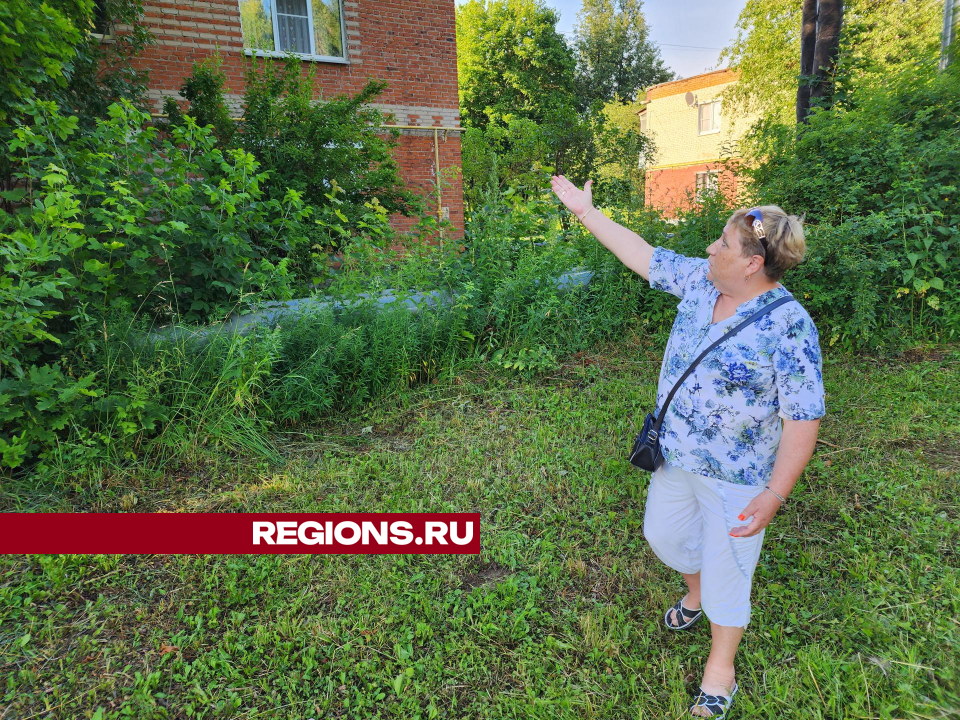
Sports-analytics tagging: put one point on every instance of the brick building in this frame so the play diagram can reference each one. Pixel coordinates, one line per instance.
(411, 45)
(684, 119)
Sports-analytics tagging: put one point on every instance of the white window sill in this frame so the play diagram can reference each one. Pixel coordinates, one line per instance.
(301, 56)
(710, 132)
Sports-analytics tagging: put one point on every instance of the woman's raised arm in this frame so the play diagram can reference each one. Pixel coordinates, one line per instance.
(631, 249)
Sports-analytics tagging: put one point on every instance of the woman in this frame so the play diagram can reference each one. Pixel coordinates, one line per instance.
(728, 464)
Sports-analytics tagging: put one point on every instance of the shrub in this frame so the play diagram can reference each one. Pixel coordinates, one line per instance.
(203, 91)
(113, 222)
(877, 179)
(306, 144)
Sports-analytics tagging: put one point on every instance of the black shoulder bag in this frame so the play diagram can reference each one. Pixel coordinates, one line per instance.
(646, 453)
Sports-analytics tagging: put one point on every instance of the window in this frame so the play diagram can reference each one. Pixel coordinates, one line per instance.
(101, 20)
(710, 117)
(642, 158)
(707, 184)
(312, 28)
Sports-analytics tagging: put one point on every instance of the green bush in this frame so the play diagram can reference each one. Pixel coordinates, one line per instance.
(877, 180)
(113, 223)
(174, 228)
(206, 104)
(306, 144)
(37, 45)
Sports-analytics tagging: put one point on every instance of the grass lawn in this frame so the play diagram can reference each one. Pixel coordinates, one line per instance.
(856, 598)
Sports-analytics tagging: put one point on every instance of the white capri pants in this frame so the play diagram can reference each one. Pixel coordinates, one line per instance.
(688, 521)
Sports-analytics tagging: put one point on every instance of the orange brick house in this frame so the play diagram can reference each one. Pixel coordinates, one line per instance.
(410, 44)
(685, 120)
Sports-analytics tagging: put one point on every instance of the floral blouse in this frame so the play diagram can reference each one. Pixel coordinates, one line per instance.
(724, 421)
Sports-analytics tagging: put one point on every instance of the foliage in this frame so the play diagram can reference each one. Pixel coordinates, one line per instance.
(203, 91)
(877, 180)
(55, 55)
(37, 43)
(175, 223)
(103, 71)
(515, 155)
(114, 222)
(529, 121)
(512, 62)
(878, 44)
(177, 230)
(305, 145)
(615, 58)
(619, 172)
(875, 42)
(522, 154)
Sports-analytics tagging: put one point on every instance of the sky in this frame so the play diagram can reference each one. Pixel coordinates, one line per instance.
(706, 25)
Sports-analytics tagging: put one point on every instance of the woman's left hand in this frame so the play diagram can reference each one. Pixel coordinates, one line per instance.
(763, 507)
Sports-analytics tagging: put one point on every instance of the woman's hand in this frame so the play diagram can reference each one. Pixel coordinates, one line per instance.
(576, 201)
(763, 507)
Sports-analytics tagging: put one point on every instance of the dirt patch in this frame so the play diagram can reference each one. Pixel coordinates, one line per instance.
(926, 354)
(487, 574)
(943, 455)
(592, 578)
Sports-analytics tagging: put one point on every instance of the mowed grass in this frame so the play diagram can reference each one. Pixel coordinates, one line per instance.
(856, 598)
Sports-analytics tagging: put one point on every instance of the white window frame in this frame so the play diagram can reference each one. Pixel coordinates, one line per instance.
(711, 183)
(716, 117)
(108, 35)
(303, 56)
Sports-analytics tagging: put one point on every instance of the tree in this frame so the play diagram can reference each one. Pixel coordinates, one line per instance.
(615, 57)
(620, 143)
(819, 46)
(880, 37)
(808, 44)
(511, 61)
(951, 26)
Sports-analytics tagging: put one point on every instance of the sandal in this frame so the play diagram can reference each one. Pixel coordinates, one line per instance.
(718, 705)
(689, 617)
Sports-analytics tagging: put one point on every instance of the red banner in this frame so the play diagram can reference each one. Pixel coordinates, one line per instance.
(230, 533)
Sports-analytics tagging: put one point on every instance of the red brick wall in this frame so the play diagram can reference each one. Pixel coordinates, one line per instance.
(417, 162)
(671, 189)
(411, 44)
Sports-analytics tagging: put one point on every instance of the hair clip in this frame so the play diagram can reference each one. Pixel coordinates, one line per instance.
(757, 218)
(758, 230)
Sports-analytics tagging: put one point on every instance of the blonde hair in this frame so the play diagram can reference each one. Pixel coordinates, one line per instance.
(786, 245)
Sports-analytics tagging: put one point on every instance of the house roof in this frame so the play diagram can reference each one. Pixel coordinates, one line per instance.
(695, 82)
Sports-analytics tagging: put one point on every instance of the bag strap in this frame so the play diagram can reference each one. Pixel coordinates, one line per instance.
(752, 319)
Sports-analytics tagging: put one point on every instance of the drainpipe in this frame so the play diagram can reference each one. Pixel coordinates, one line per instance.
(436, 153)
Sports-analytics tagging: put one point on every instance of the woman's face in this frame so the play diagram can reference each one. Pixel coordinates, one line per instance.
(727, 263)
